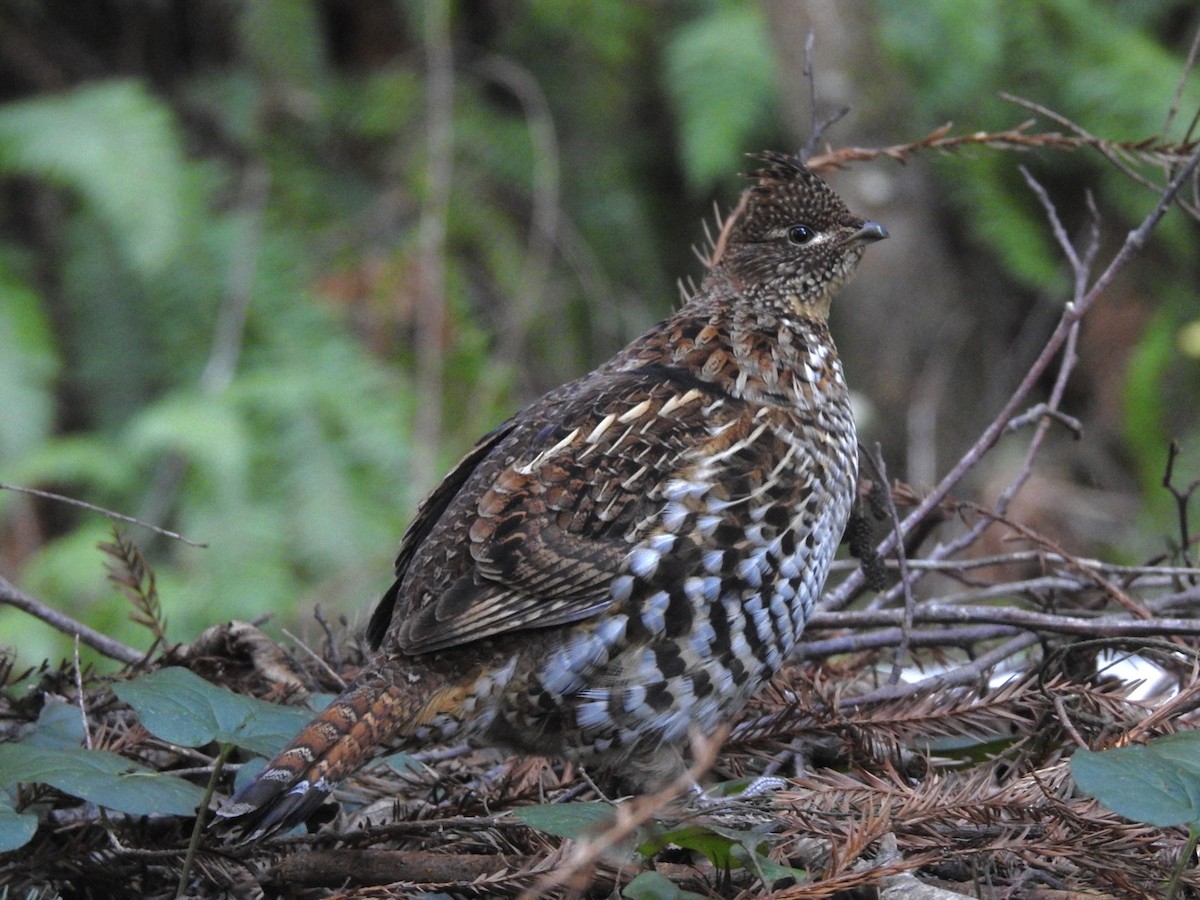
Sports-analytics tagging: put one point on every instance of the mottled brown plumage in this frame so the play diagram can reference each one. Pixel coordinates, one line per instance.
(635, 553)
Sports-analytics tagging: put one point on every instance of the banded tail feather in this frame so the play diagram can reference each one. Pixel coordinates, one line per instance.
(356, 726)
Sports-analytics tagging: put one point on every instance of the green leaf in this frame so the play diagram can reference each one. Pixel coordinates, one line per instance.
(247, 772)
(770, 872)
(725, 848)
(1181, 751)
(722, 83)
(16, 829)
(398, 763)
(182, 708)
(283, 39)
(701, 838)
(116, 145)
(566, 820)
(1158, 783)
(59, 727)
(657, 886)
(100, 777)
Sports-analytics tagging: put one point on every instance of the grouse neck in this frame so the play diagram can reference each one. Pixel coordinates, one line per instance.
(783, 359)
(767, 356)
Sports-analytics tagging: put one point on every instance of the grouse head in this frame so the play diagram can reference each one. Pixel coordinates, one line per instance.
(794, 239)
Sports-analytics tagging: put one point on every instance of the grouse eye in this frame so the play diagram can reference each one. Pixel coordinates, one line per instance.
(800, 234)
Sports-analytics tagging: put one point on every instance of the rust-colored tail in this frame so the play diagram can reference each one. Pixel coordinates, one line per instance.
(356, 726)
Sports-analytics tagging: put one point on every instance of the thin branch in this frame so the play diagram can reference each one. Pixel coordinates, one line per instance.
(108, 513)
(335, 653)
(818, 126)
(1107, 149)
(318, 659)
(1040, 411)
(81, 697)
(1182, 498)
(14, 596)
(431, 237)
(1021, 557)
(969, 673)
(860, 641)
(526, 302)
(810, 146)
(1060, 234)
(876, 461)
(1121, 597)
(1064, 720)
(229, 332)
(1081, 267)
(1017, 138)
(1188, 65)
(1086, 626)
(629, 817)
(1151, 150)
(1170, 601)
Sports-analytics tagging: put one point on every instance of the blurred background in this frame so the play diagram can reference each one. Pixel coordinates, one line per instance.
(268, 268)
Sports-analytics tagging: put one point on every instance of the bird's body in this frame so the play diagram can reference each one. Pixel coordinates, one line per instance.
(634, 554)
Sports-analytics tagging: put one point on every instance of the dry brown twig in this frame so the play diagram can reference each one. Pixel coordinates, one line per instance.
(1150, 151)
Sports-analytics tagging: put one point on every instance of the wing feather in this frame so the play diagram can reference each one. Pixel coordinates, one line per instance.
(530, 529)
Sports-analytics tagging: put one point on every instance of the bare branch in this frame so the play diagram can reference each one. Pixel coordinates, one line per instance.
(108, 513)
(959, 675)
(14, 596)
(431, 239)
(527, 301)
(1188, 65)
(1017, 138)
(876, 461)
(1182, 498)
(1112, 626)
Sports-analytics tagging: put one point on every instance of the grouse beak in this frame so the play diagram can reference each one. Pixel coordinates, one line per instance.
(868, 234)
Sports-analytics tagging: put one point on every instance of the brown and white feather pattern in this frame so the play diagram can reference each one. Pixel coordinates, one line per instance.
(634, 554)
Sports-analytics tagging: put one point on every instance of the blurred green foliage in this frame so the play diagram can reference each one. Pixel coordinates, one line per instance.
(722, 80)
(1083, 59)
(273, 155)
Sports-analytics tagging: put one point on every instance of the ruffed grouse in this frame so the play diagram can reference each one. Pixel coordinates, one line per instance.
(635, 553)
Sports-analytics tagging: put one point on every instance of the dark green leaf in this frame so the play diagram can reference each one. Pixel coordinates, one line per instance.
(103, 778)
(721, 81)
(59, 727)
(16, 828)
(1158, 783)
(567, 820)
(770, 872)
(725, 848)
(656, 886)
(1182, 751)
(182, 708)
(716, 847)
